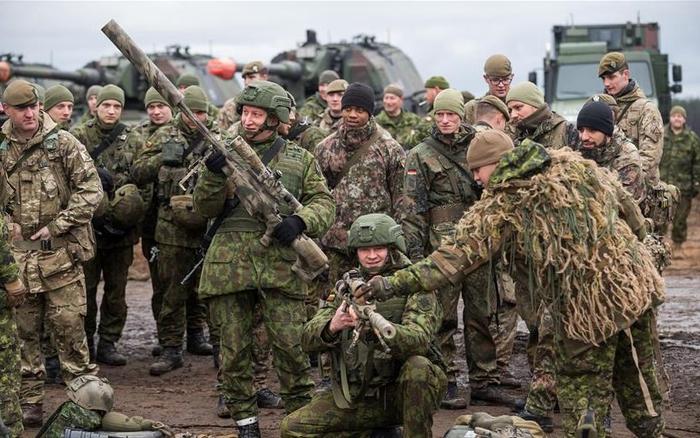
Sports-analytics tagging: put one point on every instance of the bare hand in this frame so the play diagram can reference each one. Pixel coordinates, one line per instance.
(15, 231)
(342, 319)
(42, 234)
(16, 293)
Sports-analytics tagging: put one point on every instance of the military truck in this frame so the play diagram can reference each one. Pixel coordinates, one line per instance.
(571, 72)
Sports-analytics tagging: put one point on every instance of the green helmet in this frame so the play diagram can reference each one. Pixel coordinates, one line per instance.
(91, 392)
(266, 95)
(127, 208)
(376, 229)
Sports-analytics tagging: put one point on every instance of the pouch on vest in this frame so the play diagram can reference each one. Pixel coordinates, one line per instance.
(173, 153)
(184, 213)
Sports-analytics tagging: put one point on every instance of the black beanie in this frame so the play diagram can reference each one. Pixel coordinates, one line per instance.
(598, 116)
(359, 95)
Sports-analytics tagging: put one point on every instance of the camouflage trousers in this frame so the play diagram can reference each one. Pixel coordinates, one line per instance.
(233, 316)
(624, 367)
(542, 397)
(64, 309)
(503, 327)
(10, 374)
(147, 245)
(411, 401)
(174, 262)
(679, 232)
(113, 264)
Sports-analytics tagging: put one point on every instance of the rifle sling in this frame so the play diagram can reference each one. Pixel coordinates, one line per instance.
(437, 147)
(108, 141)
(26, 154)
(359, 153)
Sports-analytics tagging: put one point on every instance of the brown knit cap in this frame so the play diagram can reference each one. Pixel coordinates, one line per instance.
(488, 147)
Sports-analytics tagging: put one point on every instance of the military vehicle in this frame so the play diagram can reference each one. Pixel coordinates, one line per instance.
(571, 73)
(216, 76)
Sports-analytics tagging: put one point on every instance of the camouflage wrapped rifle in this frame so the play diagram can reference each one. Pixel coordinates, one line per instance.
(258, 188)
(76, 433)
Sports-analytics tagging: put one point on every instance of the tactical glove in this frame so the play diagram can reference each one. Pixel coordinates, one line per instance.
(16, 293)
(216, 162)
(377, 287)
(106, 179)
(286, 231)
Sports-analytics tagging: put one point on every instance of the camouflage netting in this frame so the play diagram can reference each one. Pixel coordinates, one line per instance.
(562, 227)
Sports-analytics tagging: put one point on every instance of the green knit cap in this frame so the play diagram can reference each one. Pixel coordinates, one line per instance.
(526, 92)
(187, 80)
(196, 98)
(110, 92)
(437, 81)
(153, 96)
(677, 109)
(449, 100)
(56, 95)
(94, 90)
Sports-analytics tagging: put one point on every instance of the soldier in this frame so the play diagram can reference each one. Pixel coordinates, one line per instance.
(113, 146)
(680, 166)
(332, 115)
(433, 86)
(187, 80)
(59, 105)
(91, 101)
(490, 113)
(12, 294)
(228, 116)
(315, 105)
(498, 75)
(532, 118)
(374, 390)
(239, 271)
(364, 168)
(60, 190)
(399, 122)
(535, 213)
(638, 118)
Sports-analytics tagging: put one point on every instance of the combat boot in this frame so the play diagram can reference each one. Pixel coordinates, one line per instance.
(171, 359)
(268, 399)
(156, 351)
(197, 343)
(452, 400)
(107, 354)
(53, 370)
(249, 430)
(32, 415)
(544, 421)
(491, 394)
(221, 409)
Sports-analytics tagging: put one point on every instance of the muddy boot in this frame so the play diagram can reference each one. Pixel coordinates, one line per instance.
(197, 343)
(107, 354)
(32, 415)
(249, 430)
(491, 394)
(156, 351)
(268, 399)
(171, 359)
(452, 399)
(53, 371)
(508, 380)
(544, 421)
(216, 356)
(221, 409)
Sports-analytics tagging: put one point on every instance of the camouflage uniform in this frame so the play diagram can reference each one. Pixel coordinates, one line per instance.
(239, 272)
(56, 186)
(547, 128)
(680, 166)
(641, 122)
(401, 127)
(163, 162)
(313, 108)
(228, 115)
(114, 252)
(10, 371)
(328, 122)
(511, 220)
(404, 386)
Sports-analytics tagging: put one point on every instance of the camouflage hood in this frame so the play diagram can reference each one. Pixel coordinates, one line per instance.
(521, 163)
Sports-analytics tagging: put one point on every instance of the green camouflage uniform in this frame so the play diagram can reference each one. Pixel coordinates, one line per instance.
(552, 249)
(11, 375)
(402, 127)
(56, 186)
(239, 272)
(313, 108)
(114, 252)
(680, 166)
(547, 128)
(403, 387)
(328, 122)
(163, 162)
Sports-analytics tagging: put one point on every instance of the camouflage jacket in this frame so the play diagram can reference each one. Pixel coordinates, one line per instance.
(328, 122)
(546, 128)
(163, 161)
(641, 122)
(313, 109)
(236, 260)
(310, 137)
(374, 183)
(439, 188)
(117, 159)
(402, 128)
(228, 115)
(680, 164)
(416, 319)
(56, 186)
(421, 131)
(8, 268)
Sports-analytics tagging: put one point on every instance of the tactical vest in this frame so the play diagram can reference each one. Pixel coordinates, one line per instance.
(70, 415)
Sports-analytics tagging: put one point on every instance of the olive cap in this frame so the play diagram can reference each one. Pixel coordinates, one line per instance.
(496, 103)
(20, 93)
(526, 92)
(57, 94)
(449, 100)
(196, 98)
(337, 86)
(487, 147)
(187, 80)
(153, 96)
(437, 81)
(677, 109)
(376, 229)
(498, 65)
(612, 62)
(94, 90)
(394, 89)
(327, 76)
(253, 67)
(110, 92)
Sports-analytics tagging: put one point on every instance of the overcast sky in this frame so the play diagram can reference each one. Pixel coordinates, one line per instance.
(452, 39)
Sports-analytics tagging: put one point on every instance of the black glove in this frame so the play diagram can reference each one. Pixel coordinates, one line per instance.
(106, 179)
(286, 231)
(216, 162)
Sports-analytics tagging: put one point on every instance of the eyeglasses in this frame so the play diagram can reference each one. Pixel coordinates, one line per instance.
(506, 80)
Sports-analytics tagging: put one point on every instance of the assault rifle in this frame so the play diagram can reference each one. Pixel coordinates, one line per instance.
(259, 189)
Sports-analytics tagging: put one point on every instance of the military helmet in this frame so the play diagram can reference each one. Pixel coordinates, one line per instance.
(127, 208)
(91, 392)
(266, 95)
(376, 229)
